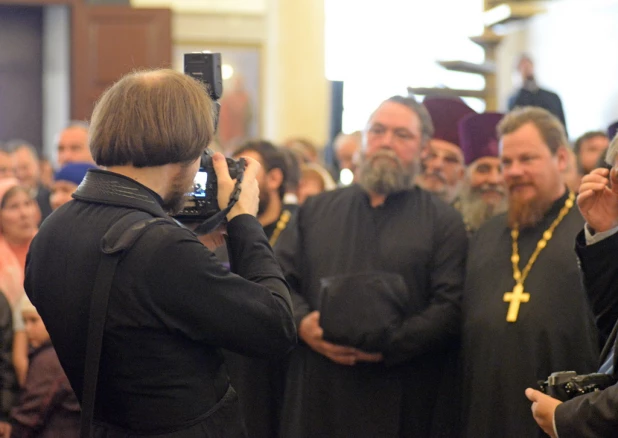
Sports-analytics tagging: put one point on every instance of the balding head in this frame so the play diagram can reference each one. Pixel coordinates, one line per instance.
(72, 144)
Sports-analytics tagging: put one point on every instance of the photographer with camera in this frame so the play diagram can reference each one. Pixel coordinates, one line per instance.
(137, 308)
(593, 414)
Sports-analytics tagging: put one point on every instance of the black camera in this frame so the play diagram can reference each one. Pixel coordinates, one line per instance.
(565, 385)
(202, 203)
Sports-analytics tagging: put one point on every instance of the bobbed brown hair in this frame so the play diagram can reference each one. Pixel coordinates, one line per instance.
(151, 118)
(551, 129)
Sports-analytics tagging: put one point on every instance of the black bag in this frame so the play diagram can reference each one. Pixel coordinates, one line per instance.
(360, 310)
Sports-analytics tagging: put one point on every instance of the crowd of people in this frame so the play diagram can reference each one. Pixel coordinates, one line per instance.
(420, 286)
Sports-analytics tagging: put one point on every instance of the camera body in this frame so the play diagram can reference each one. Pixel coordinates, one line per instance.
(565, 385)
(202, 203)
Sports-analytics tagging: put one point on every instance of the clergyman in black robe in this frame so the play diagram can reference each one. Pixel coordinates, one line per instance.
(554, 330)
(412, 241)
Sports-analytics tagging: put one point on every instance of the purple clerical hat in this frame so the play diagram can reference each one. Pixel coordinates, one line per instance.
(612, 130)
(478, 136)
(445, 114)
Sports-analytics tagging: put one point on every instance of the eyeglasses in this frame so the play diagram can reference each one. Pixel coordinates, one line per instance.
(399, 134)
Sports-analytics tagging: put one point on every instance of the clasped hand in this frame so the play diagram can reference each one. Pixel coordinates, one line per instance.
(313, 335)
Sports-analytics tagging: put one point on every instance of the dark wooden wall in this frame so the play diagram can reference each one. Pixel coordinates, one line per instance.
(21, 59)
(108, 40)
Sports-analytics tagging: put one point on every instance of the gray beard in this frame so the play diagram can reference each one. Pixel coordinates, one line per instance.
(475, 211)
(384, 173)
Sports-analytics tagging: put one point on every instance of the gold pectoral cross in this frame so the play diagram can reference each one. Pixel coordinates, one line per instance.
(515, 298)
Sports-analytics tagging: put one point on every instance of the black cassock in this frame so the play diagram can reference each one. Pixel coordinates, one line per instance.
(257, 381)
(413, 234)
(554, 331)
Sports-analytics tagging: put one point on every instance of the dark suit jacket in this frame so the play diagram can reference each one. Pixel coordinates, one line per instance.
(595, 415)
(541, 98)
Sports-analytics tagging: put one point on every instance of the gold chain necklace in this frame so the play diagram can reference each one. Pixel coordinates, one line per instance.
(281, 224)
(518, 296)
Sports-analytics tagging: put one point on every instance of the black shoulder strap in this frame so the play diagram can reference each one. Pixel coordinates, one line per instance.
(119, 238)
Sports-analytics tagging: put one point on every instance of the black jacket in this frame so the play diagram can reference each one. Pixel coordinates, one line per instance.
(595, 415)
(542, 98)
(172, 307)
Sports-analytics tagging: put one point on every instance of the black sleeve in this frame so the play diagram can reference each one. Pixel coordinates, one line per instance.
(600, 276)
(290, 253)
(249, 313)
(440, 321)
(591, 415)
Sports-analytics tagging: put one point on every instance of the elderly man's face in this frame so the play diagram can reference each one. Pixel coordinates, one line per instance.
(485, 178)
(396, 128)
(73, 147)
(444, 169)
(26, 167)
(393, 144)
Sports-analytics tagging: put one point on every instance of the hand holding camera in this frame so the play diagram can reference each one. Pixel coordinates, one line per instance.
(249, 198)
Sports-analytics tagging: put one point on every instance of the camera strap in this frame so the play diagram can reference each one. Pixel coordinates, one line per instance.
(213, 222)
(117, 240)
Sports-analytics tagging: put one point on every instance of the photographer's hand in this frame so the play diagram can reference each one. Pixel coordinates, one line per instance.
(598, 199)
(543, 409)
(310, 331)
(249, 198)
